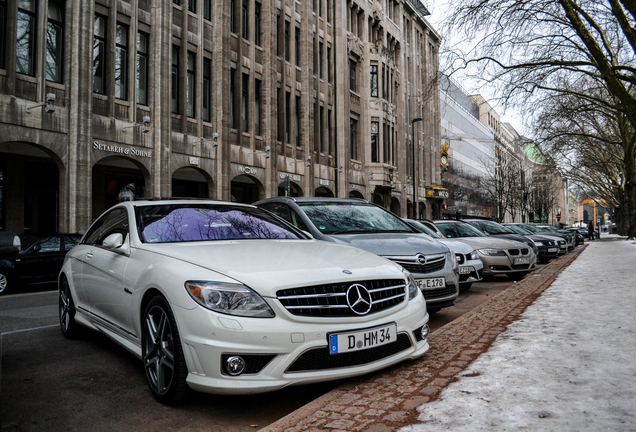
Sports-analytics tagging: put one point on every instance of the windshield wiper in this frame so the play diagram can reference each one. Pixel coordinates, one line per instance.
(376, 231)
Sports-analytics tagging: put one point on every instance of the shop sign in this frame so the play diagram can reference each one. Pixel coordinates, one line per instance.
(356, 187)
(126, 151)
(324, 182)
(194, 160)
(247, 170)
(292, 177)
(437, 193)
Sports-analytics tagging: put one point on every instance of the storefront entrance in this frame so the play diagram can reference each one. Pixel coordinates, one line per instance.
(116, 179)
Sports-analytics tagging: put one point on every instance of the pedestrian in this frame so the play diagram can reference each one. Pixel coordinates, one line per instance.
(590, 230)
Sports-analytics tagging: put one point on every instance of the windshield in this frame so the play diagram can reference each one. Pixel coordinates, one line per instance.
(455, 230)
(490, 227)
(201, 222)
(424, 229)
(518, 229)
(352, 218)
(548, 228)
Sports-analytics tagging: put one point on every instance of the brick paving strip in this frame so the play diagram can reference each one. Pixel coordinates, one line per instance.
(388, 400)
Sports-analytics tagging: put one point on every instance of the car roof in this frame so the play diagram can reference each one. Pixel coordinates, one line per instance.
(316, 199)
(149, 202)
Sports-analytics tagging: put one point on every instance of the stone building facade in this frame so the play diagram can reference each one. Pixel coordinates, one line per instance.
(232, 100)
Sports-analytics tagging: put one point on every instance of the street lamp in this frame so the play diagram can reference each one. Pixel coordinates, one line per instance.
(415, 120)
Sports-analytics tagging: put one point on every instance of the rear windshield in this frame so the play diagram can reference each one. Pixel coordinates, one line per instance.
(424, 229)
(518, 229)
(204, 222)
(456, 230)
(490, 227)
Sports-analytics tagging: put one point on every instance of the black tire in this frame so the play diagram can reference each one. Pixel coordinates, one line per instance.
(162, 354)
(465, 286)
(5, 282)
(69, 327)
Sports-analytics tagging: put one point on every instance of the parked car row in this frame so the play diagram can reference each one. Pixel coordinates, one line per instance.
(231, 298)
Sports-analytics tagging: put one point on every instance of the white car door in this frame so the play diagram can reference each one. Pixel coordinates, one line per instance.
(103, 272)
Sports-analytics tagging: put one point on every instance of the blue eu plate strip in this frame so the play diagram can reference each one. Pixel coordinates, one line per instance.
(333, 344)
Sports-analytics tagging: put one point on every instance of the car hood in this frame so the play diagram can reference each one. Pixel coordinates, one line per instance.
(457, 246)
(392, 244)
(491, 242)
(270, 265)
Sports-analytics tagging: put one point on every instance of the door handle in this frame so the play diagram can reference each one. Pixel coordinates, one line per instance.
(89, 255)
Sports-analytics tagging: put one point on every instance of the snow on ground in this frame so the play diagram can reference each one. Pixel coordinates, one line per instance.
(569, 364)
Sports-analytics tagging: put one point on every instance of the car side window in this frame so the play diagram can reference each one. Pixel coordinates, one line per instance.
(297, 220)
(69, 242)
(47, 245)
(280, 210)
(115, 221)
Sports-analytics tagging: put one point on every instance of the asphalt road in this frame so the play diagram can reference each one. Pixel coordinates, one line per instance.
(52, 384)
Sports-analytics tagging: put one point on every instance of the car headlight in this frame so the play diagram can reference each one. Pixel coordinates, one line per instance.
(410, 284)
(474, 255)
(492, 252)
(538, 243)
(228, 298)
(451, 256)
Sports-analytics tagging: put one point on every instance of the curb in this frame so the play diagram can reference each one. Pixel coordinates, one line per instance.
(388, 400)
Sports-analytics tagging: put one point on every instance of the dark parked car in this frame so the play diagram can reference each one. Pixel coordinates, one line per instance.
(548, 246)
(494, 229)
(581, 234)
(39, 261)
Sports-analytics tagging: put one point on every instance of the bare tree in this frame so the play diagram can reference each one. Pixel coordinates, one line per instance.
(540, 49)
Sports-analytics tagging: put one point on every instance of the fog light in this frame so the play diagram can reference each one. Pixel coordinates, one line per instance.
(425, 331)
(235, 365)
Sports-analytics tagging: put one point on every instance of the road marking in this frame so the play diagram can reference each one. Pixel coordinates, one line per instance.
(34, 328)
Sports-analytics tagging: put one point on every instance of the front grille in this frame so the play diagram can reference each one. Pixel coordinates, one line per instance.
(320, 359)
(516, 252)
(521, 267)
(433, 294)
(433, 263)
(330, 300)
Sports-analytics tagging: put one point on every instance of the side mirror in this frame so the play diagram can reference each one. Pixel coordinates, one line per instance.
(115, 243)
(37, 248)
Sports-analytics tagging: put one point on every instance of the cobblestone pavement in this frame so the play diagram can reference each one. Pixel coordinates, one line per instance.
(388, 400)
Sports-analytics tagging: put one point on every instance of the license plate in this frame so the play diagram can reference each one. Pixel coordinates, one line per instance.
(362, 339)
(521, 261)
(431, 283)
(552, 250)
(466, 270)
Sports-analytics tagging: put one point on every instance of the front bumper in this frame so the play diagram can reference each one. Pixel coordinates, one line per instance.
(503, 265)
(471, 271)
(289, 350)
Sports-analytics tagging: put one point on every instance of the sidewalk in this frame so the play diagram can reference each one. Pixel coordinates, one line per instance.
(566, 363)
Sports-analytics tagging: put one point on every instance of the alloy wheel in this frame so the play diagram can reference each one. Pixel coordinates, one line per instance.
(158, 350)
(3, 283)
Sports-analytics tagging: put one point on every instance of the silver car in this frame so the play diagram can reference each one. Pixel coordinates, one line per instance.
(470, 265)
(500, 256)
(364, 225)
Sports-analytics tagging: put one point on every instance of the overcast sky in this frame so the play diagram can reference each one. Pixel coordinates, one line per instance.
(439, 9)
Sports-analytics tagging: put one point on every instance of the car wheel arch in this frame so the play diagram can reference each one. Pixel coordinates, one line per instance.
(147, 297)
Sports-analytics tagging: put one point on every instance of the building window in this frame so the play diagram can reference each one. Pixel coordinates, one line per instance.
(297, 44)
(142, 68)
(321, 63)
(328, 9)
(353, 138)
(25, 44)
(298, 117)
(233, 25)
(121, 62)
(352, 75)
(257, 107)
(329, 77)
(281, 118)
(319, 8)
(245, 103)
(287, 48)
(287, 117)
(192, 6)
(175, 79)
(3, 41)
(257, 23)
(207, 90)
(177, 2)
(374, 80)
(207, 9)
(99, 54)
(323, 140)
(329, 142)
(375, 144)
(244, 24)
(54, 41)
(232, 96)
(190, 84)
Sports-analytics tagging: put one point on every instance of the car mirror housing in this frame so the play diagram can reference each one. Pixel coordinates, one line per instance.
(115, 242)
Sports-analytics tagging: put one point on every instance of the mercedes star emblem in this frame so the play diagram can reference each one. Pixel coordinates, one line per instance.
(359, 299)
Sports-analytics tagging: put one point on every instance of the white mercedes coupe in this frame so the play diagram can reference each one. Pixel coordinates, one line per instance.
(227, 298)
